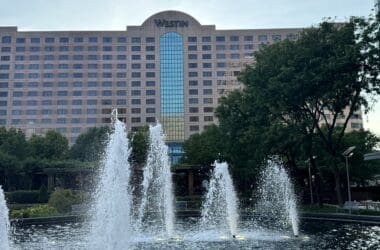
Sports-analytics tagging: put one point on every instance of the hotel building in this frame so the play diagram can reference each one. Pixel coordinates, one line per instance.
(170, 69)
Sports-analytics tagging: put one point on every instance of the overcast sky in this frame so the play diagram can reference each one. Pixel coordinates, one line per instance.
(225, 14)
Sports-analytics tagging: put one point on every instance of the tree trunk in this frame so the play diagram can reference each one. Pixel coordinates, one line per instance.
(338, 189)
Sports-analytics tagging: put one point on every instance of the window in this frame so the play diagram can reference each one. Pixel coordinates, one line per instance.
(136, 110)
(78, 48)
(208, 118)
(206, 39)
(136, 101)
(220, 47)
(276, 38)
(91, 111)
(149, 48)
(92, 48)
(207, 74)
(150, 65)
(248, 46)
(192, 39)
(136, 57)
(121, 39)
(194, 128)
(121, 93)
(234, 47)
(193, 83)
(192, 47)
(107, 39)
(150, 74)
(206, 56)
(207, 82)
(207, 91)
(121, 48)
(20, 40)
(62, 102)
(206, 47)
(263, 38)
(192, 56)
(150, 57)
(106, 93)
(20, 49)
(149, 39)
(135, 119)
(248, 38)
(78, 39)
(150, 92)
(193, 118)
(193, 91)
(92, 102)
(136, 40)
(92, 39)
(63, 39)
(107, 48)
(35, 40)
(76, 102)
(150, 101)
(234, 38)
(136, 92)
(220, 38)
(235, 56)
(193, 100)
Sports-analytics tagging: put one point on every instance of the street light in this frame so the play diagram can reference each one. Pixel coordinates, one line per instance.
(347, 154)
(310, 179)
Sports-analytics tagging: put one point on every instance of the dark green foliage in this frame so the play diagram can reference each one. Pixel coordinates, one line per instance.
(62, 200)
(204, 148)
(23, 196)
(139, 144)
(52, 145)
(43, 195)
(287, 91)
(90, 145)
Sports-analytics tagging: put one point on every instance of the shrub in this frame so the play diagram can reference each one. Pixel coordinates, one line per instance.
(35, 211)
(23, 196)
(43, 194)
(62, 200)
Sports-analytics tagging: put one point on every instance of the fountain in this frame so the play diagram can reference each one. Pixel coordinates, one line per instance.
(152, 225)
(111, 224)
(276, 206)
(4, 222)
(156, 211)
(220, 207)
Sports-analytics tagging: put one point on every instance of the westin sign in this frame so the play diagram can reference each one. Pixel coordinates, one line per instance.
(172, 23)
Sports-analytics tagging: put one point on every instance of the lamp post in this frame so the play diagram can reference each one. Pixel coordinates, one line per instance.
(311, 180)
(347, 154)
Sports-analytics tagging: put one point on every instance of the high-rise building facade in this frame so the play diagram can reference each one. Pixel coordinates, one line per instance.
(170, 69)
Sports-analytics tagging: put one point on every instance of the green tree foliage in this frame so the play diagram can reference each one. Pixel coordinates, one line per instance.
(205, 148)
(292, 85)
(52, 145)
(139, 144)
(90, 145)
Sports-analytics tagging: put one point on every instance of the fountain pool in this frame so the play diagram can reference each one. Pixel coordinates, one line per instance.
(313, 235)
(117, 222)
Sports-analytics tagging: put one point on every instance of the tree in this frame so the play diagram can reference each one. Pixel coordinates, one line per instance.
(52, 145)
(139, 143)
(203, 149)
(292, 85)
(90, 145)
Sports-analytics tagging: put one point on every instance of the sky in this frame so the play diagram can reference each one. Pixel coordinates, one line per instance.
(31, 15)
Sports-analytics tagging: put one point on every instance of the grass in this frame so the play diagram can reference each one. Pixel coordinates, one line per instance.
(329, 208)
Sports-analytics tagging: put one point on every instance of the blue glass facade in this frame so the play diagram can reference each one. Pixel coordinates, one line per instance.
(171, 86)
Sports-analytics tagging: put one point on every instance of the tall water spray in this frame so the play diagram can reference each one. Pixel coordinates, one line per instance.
(156, 211)
(277, 206)
(4, 223)
(220, 207)
(111, 225)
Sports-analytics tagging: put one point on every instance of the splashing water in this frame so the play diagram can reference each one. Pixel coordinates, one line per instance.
(277, 206)
(156, 212)
(4, 222)
(220, 207)
(111, 224)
